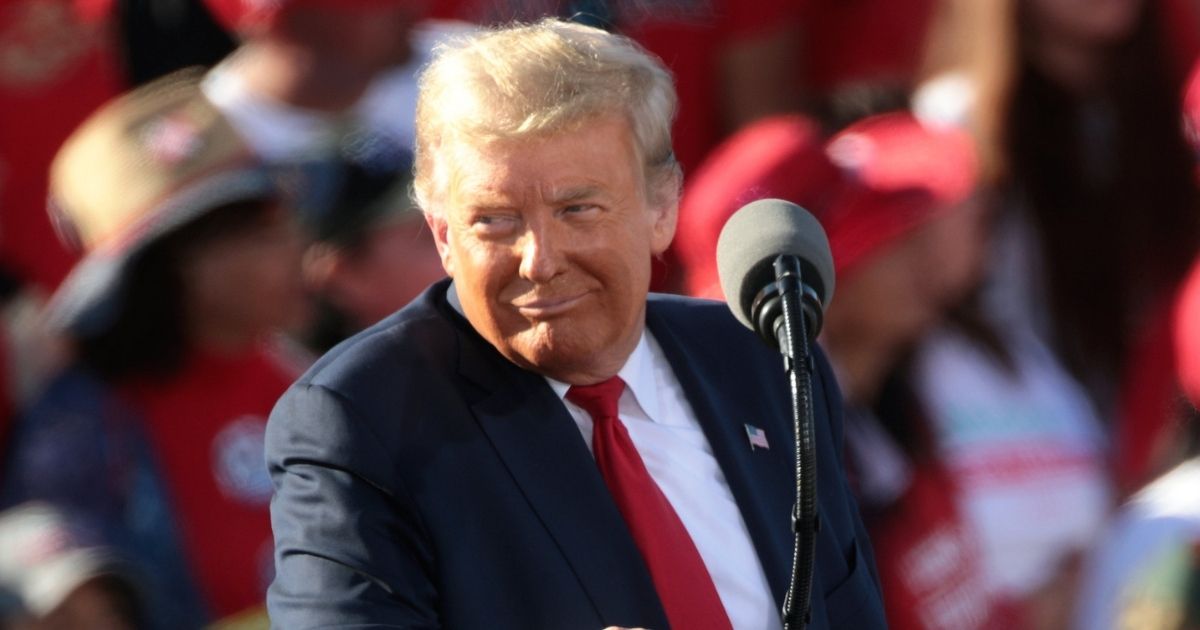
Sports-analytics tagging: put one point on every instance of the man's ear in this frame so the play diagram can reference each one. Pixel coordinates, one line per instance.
(441, 232)
(663, 219)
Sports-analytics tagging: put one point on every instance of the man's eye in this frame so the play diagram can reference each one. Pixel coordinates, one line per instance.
(493, 224)
(580, 208)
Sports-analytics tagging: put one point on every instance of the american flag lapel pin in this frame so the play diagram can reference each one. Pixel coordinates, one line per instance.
(757, 437)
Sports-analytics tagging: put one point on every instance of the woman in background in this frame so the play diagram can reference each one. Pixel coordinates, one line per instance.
(1078, 110)
(152, 435)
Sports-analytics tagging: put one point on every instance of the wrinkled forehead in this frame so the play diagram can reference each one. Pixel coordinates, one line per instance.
(477, 164)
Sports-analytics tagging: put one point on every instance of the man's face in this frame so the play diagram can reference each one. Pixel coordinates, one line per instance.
(549, 241)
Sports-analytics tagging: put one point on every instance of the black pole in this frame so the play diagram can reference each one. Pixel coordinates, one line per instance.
(793, 343)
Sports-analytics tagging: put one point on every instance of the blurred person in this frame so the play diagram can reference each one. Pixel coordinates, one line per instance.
(896, 200)
(1145, 572)
(538, 442)
(336, 124)
(1079, 112)
(54, 575)
(59, 61)
(776, 157)
(1016, 430)
(153, 433)
(372, 254)
(29, 354)
(292, 86)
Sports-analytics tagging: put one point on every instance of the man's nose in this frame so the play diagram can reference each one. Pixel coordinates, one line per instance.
(542, 253)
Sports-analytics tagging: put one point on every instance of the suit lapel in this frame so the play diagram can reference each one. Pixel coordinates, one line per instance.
(540, 445)
(759, 478)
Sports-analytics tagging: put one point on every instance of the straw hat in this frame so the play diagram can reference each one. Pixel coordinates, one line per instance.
(140, 168)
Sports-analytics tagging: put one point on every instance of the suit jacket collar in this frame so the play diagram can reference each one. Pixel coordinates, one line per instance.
(539, 443)
(542, 448)
(760, 479)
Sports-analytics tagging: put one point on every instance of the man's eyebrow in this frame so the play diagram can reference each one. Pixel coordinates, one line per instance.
(487, 200)
(573, 193)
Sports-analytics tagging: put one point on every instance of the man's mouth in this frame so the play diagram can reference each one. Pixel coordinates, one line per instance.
(544, 308)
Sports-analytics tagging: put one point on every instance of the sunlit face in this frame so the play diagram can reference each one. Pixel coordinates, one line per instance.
(549, 241)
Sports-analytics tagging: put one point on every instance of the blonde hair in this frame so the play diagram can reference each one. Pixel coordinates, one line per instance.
(526, 80)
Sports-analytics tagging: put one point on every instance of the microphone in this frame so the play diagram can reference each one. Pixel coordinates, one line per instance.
(749, 251)
(777, 274)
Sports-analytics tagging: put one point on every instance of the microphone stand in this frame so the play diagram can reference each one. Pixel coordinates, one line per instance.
(781, 307)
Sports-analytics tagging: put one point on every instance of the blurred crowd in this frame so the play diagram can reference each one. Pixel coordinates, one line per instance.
(198, 197)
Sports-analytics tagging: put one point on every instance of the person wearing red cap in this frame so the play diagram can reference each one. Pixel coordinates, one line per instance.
(906, 231)
(905, 234)
(988, 409)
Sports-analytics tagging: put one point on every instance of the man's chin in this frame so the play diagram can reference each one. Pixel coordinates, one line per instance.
(566, 357)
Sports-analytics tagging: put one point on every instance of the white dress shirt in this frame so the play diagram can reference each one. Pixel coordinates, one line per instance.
(677, 454)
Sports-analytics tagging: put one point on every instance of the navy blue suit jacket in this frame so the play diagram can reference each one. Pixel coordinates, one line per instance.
(424, 481)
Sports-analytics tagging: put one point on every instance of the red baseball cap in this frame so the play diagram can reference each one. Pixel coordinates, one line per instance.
(779, 157)
(869, 185)
(895, 173)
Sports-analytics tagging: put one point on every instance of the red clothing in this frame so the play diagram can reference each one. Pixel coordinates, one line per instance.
(1150, 400)
(847, 42)
(55, 69)
(929, 566)
(206, 426)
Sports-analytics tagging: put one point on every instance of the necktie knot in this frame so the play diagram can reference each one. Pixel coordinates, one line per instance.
(599, 400)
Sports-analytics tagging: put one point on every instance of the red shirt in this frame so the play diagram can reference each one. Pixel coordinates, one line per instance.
(206, 427)
(929, 564)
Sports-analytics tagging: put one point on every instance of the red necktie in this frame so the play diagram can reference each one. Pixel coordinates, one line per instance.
(684, 586)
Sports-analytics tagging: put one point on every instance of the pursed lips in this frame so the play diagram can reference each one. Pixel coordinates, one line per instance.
(547, 307)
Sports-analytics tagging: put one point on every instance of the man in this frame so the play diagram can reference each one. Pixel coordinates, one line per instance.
(537, 444)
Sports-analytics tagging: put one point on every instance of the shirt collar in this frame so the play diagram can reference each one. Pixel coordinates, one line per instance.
(638, 374)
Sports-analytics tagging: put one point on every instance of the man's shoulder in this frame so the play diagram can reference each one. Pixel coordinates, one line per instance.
(707, 326)
(692, 313)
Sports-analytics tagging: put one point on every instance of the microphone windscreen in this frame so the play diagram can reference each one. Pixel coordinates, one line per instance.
(757, 234)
